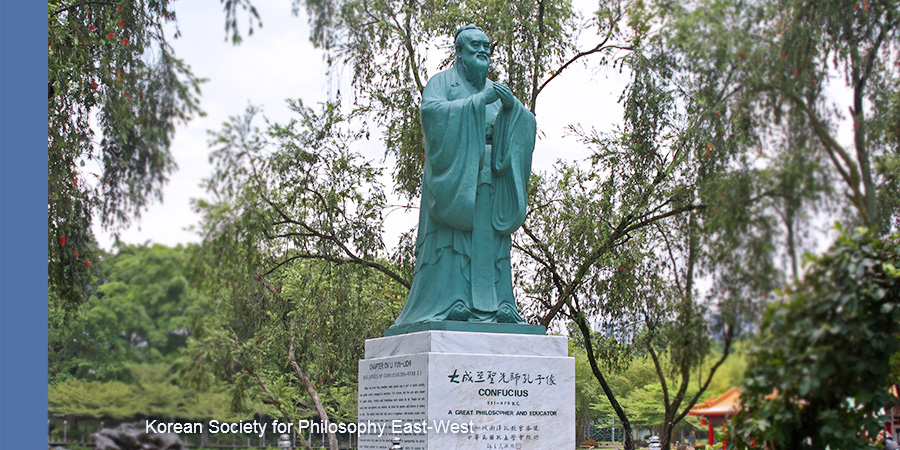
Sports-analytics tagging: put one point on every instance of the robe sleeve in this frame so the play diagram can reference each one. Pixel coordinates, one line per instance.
(454, 142)
(514, 135)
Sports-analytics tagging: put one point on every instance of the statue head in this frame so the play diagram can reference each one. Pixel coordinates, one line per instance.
(473, 53)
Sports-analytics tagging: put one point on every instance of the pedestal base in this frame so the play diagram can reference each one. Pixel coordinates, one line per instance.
(441, 390)
(478, 327)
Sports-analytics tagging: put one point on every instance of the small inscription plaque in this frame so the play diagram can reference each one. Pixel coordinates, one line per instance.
(392, 394)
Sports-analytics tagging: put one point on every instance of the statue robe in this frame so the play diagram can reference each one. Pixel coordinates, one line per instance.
(473, 199)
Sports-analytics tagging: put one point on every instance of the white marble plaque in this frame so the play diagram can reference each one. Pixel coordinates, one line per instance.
(449, 399)
(392, 390)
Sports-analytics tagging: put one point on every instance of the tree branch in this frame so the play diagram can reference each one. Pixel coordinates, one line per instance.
(850, 173)
(671, 213)
(310, 390)
(728, 336)
(659, 372)
(550, 263)
(600, 47)
(351, 257)
(407, 41)
(671, 255)
(79, 5)
(539, 46)
(585, 329)
(620, 232)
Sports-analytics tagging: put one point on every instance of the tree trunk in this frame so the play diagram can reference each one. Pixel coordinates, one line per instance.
(872, 216)
(332, 439)
(579, 430)
(586, 332)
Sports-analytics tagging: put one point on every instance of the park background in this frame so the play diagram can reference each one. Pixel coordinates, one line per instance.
(301, 234)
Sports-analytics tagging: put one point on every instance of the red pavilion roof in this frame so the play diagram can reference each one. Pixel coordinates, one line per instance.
(725, 405)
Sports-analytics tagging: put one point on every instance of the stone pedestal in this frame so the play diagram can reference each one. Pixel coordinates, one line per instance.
(443, 390)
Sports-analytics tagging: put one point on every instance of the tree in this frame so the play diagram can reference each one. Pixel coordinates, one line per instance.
(293, 340)
(862, 44)
(618, 247)
(821, 367)
(109, 62)
(761, 70)
(733, 82)
(122, 355)
(371, 38)
(86, 398)
(154, 392)
(682, 154)
(586, 391)
(143, 310)
(291, 238)
(779, 63)
(636, 384)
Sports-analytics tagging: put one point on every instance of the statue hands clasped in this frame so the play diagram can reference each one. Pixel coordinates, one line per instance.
(500, 92)
(505, 94)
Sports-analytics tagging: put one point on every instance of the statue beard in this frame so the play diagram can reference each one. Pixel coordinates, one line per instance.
(475, 70)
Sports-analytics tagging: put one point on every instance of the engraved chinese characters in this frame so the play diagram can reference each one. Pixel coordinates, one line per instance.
(468, 390)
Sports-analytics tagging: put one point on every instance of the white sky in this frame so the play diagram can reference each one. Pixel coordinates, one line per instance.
(278, 62)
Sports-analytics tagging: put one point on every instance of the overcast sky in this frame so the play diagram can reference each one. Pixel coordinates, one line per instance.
(278, 62)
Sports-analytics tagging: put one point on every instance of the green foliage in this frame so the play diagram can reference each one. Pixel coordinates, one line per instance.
(826, 351)
(731, 373)
(640, 393)
(300, 183)
(291, 237)
(309, 314)
(780, 65)
(120, 356)
(156, 393)
(385, 45)
(85, 398)
(143, 310)
(587, 390)
(621, 243)
(110, 63)
(231, 8)
(637, 388)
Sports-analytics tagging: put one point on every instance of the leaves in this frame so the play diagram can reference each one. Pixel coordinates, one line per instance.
(824, 354)
(142, 310)
(111, 64)
(294, 224)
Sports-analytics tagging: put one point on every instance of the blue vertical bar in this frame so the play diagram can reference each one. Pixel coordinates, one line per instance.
(23, 225)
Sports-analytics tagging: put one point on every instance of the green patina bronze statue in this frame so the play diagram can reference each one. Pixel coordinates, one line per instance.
(478, 145)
